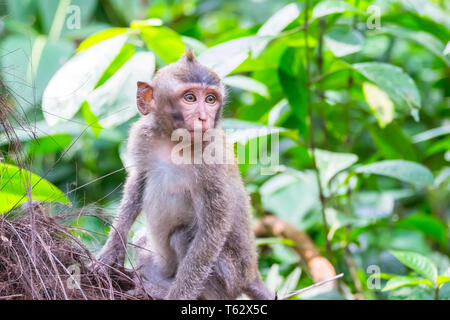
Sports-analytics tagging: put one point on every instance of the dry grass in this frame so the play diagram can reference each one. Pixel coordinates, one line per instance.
(40, 259)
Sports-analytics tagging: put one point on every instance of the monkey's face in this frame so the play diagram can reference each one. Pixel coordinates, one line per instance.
(196, 106)
(184, 95)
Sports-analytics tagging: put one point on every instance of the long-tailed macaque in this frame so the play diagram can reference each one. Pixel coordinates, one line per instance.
(198, 239)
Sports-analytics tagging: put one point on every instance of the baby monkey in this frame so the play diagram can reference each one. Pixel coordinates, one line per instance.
(198, 242)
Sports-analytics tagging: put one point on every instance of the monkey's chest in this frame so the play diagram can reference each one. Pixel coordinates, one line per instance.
(167, 198)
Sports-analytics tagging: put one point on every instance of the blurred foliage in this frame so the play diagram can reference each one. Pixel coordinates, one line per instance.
(357, 90)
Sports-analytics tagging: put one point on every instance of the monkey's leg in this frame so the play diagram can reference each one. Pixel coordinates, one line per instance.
(180, 241)
(216, 286)
(257, 290)
(149, 271)
(114, 250)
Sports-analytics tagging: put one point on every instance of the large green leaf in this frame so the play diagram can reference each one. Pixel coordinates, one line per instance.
(292, 76)
(49, 8)
(381, 106)
(424, 39)
(70, 86)
(275, 24)
(100, 36)
(392, 143)
(114, 102)
(280, 20)
(29, 63)
(122, 57)
(49, 144)
(401, 281)
(242, 131)
(227, 56)
(291, 195)
(247, 84)
(343, 40)
(327, 7)
(419, 23)
(90, 118)
(165, 42)
(442, 279)
(13, 188)
(22, 11)
(406, 171)
(50, 59)
(331, 163)
(432, 133)
(418, 263)
(429, 9)
(394, 81)
(427, 224)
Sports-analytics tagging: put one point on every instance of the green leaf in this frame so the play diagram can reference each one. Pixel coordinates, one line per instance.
(429, 9)
(325, 8)
(13, 188)
(290, 283)
(401, 281)
(419, 23)
(49, 9)
(291, 195)
(71, 84)
(196, 45)
(385, 276)
(432, 133)
(331, 163)
(418, 263)
(29, 63)
(49, 144)
(424, 39)
(274, 25)
(343, 40)
(280, 20)
(442, 145)
(242, 131)
(382, 107)
(165, 42)
(392, 143)
(100, 36)
(90, 118)
(247, 84)
(122, 57)
(152, 22)
(427, 224)
(440, 280)
(292, 76)
(279, 113)
(115, 101)
(227, 56)
(268, 241)
(403, 170)
(394, 81)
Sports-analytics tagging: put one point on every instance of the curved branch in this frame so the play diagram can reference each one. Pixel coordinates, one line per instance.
(319, 267)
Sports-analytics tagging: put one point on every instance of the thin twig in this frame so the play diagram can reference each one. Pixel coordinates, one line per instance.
(290, 295)
(311, 132)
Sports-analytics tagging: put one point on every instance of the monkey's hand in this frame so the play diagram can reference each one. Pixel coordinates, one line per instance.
(110, 257)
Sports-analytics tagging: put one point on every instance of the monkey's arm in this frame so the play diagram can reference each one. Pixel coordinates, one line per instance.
(214, 223)
(131, 205)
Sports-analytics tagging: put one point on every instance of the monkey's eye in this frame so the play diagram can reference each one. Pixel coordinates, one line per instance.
(189, 97)
(210, 99)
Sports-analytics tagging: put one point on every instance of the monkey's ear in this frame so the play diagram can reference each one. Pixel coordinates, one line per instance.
(145, 102)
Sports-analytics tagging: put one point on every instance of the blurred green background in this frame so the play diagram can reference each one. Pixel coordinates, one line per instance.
(357, 90)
